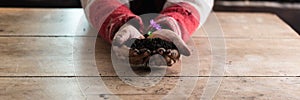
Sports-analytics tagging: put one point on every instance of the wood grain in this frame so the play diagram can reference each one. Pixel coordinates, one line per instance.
(250, 25)
(53, 54)
(231, 88)
(67, 56)
(72, 22)
(39, 22)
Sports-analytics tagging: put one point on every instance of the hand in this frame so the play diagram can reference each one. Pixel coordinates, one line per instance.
(169, 30)
(170, 56)
(125, 33)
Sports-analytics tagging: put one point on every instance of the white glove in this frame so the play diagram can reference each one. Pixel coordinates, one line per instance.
(125, 33)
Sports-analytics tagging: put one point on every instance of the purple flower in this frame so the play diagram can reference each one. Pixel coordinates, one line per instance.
(155, 25)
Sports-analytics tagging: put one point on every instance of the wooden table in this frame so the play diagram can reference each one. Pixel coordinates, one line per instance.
(47, 54)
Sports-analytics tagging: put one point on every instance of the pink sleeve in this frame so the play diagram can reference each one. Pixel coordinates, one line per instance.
(108, 16)
(186, 16)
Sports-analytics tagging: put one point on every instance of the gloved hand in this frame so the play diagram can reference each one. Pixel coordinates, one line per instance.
(175, 33)
(170, 56)
(168, 30)
(125, 33)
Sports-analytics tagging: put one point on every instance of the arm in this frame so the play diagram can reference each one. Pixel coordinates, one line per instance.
(189, 14)
(107, 16)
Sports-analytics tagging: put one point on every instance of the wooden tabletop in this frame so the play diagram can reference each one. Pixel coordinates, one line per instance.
(53, 54)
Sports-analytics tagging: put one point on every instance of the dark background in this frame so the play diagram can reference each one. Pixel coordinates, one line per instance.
(286, 12)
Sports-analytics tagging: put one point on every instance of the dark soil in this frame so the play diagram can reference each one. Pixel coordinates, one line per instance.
(142, 49)
(150, 44)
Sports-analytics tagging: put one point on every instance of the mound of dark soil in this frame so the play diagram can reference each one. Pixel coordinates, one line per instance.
(142, 49)
(150, 44)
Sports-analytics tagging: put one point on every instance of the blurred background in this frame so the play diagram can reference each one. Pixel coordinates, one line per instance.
(288, 10)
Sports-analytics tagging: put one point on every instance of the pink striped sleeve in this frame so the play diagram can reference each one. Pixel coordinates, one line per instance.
(108, 16)
(186, 16)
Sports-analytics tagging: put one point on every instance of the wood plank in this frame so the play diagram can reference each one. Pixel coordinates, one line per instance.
(54, 56)
(250, 25)
(26, 21)
(233, 88)
(36, 56)
(41, 3)
(273, 57)
(39, 88)
(260, 88)
(72, 22)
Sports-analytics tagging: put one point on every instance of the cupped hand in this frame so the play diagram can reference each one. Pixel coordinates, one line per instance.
(128, 32)
(171, 56)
